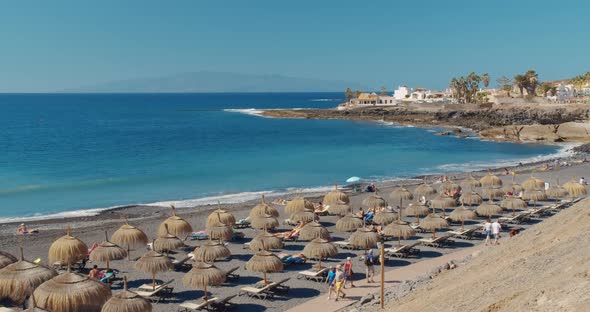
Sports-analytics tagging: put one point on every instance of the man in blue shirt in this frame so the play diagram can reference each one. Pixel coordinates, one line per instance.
(330, 279)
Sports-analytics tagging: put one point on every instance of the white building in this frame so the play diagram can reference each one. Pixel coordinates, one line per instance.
(565, 92)
(401, 93)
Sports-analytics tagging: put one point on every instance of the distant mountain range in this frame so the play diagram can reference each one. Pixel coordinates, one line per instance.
(205, 81)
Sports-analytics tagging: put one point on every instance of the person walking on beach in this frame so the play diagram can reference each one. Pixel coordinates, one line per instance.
(496, 228)
(487, 230)
(330, 279)
(348, 272)
(370, 263)
(339, 282)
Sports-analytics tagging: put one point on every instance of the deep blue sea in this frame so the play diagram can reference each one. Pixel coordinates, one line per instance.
(71, 152)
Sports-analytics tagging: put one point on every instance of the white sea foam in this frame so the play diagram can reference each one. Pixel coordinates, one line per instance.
(59, 215)
(564, 151)
(247, 111)
(323, 100)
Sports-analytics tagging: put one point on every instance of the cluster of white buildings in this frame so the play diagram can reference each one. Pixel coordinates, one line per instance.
(567, 92)
(401, 94)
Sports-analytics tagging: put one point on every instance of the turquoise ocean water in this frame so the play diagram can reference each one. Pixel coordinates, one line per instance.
(67, 153)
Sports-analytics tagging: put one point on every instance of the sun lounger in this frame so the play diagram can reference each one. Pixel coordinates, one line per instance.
(242, 224)
(182, 263)
(230, 273)
(161, 292)
(199, 236)
(345, 245)
(222, 304)
(318, 276)
(3, 309)
(260, 293)
(540, 212)
(465, 234)
(417, 228)
(189, 306)
(517, 219)
(439, 242)
(279, 286)
(403, 251)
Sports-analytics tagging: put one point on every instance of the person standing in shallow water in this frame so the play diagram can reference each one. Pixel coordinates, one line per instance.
(487, 230)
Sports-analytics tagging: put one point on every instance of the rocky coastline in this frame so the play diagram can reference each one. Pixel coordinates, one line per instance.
(522, 123)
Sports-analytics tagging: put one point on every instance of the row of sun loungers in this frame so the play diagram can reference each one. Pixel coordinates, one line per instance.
(439, 242)
(161, 293)
(216, 304)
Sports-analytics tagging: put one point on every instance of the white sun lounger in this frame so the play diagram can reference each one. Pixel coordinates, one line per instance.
(318, 276)
(189, 306)
(438, 242)
(345, 245)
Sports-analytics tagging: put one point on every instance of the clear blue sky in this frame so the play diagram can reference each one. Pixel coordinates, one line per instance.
(55, 45)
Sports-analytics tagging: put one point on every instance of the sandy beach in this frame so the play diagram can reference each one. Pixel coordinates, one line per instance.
(91, 229)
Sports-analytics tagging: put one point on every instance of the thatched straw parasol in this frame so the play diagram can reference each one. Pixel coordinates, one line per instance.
(298, 204)
(6, 259)
(154, 262)
(202, 275)
(364, 238)
(72, 292)
(313, 230)
(442, 202)
(211, 251)
(399, 229)
(264, 222)
(470, 182)
(533, 183)
(433, 222)
(385, 217)
(264, 262)
(221, 216)
(575, 189)
(263, 209)
(490, 180)
(374, 201)
(418, 210)
(449, 187)
(19, 279)
(303, 216)
(33, 306)
(336, 196)
(67, 249)
(127, 301)
(107, 252)
(461, 214)
(425, 190)
(493, 192)
(320, 248)
(489, 209)
(177, 226)
(399, 195)
(167, 243)
(513, 187)
(349, 223)
(219, 231)
(513, 203)
(470, 198)
(265, 241)
(557, 191)
(339, 208)
(129, 237)
(534, 195)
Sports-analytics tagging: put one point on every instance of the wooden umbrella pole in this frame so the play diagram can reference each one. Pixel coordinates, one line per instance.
(265, 282)
(382, 273)
(153, 280)
(128, 253)
(108, 265)
(205, 290)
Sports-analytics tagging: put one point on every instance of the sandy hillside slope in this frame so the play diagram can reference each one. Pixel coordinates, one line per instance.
(545, 268)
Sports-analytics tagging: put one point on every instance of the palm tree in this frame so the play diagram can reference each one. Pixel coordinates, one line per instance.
(521, 82)
(357, 93)
(348, 95)
(532, 81)
(383, 91)
(486, 80)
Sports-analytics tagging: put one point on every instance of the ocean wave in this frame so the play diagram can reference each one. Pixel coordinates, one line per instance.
(564, 151)
(247, 111)
(58, 215)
